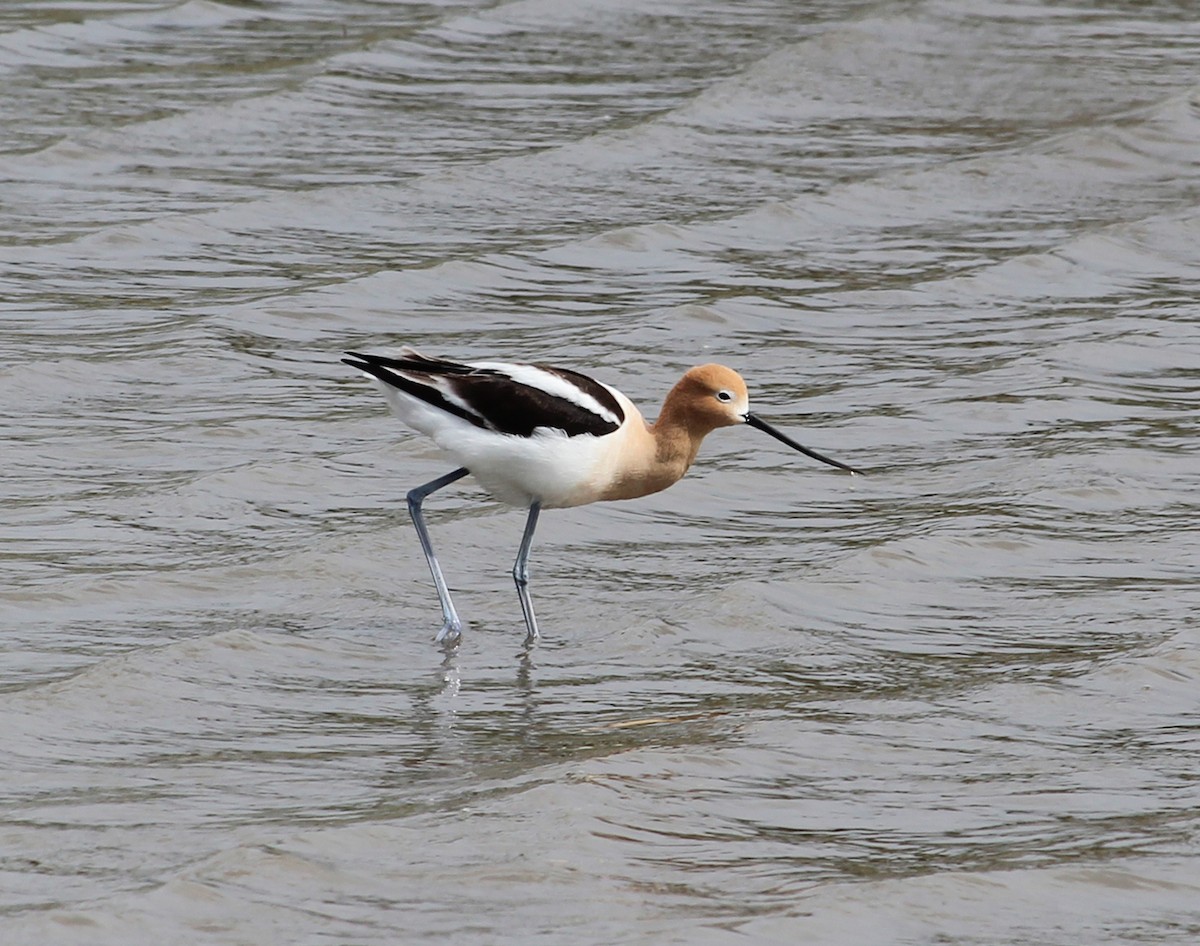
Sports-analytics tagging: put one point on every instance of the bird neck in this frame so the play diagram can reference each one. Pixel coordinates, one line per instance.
(677, 436)
(658, 454)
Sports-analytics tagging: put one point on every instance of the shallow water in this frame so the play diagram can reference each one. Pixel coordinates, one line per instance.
(952, 243)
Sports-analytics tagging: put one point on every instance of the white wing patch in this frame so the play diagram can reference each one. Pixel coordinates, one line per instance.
(552, 384)
(446, 389)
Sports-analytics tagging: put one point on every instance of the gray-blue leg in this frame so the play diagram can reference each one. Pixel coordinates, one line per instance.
(451, 625)
(520, 573)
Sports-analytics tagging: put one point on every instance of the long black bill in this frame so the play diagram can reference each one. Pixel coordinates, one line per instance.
(755, 421)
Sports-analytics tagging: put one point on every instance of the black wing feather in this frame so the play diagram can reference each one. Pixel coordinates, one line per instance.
(387, 370)
(497, 401)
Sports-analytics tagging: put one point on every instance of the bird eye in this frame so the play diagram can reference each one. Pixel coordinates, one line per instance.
(724, 396)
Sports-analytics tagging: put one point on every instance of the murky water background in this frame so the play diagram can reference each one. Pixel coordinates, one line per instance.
(954, 242)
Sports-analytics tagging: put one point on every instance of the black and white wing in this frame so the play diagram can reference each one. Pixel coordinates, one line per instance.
(505, 398)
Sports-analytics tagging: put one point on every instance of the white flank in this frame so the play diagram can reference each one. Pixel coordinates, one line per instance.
(549, 466)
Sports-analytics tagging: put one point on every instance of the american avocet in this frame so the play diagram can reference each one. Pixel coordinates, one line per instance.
(541, 437)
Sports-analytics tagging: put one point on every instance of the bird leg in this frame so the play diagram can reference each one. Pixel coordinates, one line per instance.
(451, 625)
(520, 574)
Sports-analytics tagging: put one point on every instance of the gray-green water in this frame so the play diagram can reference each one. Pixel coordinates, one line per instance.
(953, 242)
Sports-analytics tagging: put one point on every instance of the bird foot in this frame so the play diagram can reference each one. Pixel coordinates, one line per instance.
(450, 633)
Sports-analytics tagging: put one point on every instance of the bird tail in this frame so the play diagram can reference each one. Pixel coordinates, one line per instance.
(409, 360)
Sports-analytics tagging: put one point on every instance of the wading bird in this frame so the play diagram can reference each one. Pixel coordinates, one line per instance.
(542, 437)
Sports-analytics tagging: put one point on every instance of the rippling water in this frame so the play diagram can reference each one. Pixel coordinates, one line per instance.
(952, 242)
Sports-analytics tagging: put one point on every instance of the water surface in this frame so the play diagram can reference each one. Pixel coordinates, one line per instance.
(948, 242)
